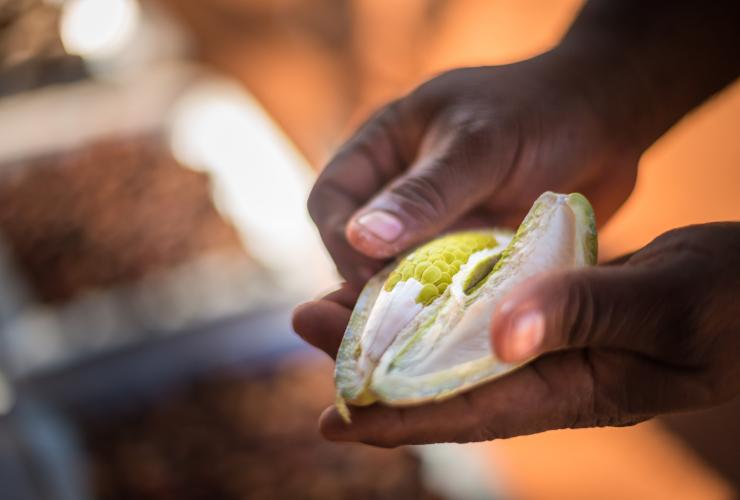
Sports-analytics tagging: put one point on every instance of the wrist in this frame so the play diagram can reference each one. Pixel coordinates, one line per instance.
(614, 95)
(642, 66)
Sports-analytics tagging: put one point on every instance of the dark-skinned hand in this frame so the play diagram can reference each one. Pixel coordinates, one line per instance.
(657, 331)
(475, 146)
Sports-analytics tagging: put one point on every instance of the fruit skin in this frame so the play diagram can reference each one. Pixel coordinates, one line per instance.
(449, 252)
(397, 390)
(585, 216)
(351, 385)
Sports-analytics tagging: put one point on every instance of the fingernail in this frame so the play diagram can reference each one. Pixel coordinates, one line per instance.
(382, 225)
(526, 334)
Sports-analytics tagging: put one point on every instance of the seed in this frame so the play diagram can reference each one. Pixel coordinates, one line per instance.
(427, 294)
(431, 275)
(392, 280)
(419, 271)
(407, 270)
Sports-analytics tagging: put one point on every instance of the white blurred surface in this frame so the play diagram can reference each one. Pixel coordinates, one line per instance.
(97, 29)
(261, 182)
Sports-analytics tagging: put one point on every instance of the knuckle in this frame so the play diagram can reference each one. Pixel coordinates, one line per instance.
(601, 402)
(579, 315)
(422, 196)
(384, 121)
(592, 406)
(390, 113)
(385, 144)
(584, 408)
(318, 202)
(478, 426)
(485, 144)
(385, 116)
(399, 127)
(470, 122)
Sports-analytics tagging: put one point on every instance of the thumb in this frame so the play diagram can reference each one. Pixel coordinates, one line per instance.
(625, 307)
(435, 191)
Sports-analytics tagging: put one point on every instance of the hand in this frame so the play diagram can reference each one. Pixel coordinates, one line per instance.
(657, 331)
(474, 146)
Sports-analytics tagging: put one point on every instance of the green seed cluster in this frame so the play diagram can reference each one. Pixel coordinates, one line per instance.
(434, 264)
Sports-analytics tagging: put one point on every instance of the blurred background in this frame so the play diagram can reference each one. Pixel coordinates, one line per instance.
(155, 159)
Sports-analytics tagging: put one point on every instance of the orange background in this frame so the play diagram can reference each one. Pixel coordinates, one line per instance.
(692, 175)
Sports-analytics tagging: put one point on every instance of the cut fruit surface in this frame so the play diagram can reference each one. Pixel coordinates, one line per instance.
(419, 330)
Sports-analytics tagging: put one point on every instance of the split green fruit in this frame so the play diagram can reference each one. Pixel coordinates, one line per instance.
(419, 330)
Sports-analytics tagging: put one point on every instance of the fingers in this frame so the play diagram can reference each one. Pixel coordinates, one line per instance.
(355, 267)
(376, 154)
(346, 295)
(403, 179)
(553, 392)
(442, 185)
(564, 389)
(321, 323)
(624, 307)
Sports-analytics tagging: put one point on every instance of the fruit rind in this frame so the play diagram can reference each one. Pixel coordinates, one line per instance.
(395, 386)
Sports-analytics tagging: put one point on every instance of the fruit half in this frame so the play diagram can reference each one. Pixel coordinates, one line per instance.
(419, 330)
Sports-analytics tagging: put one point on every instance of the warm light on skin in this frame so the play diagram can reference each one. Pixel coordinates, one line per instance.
(97, 29)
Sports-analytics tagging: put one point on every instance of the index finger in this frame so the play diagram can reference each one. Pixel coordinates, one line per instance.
(379, 151)
(321, 322)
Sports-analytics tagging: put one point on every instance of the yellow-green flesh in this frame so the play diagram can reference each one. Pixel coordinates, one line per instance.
(434, 264)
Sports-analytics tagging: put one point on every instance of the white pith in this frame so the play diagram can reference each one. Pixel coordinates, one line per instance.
(456, 288)
(390, 313)
(407, 353)
(393, 310)
(554, 247)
